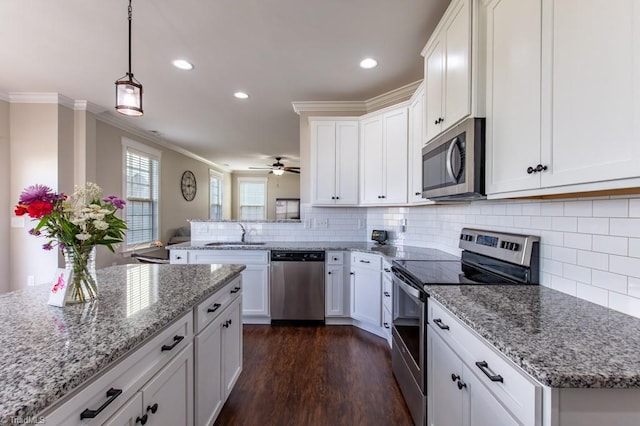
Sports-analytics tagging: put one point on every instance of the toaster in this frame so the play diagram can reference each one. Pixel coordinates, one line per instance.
(379, 236)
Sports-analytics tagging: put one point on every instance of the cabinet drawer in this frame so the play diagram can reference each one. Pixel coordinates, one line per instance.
(125, 378)
(255, 257)
(513, 388)
(209, 310)
(179, 256)
(365, 261)
(334, 258)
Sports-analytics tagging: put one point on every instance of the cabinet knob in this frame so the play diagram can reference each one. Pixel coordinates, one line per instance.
(153, 408)
(328, 272)
(142, 420)
(386, 294)
(226, 324)
(435, 122)
(337, 198)
(178, 257)
(418, 193)
(333, 198)
(454, 377)
(541, 168)
(530, 170)
(352, 273)
(461, 385)
(386, 325)
(382, 196)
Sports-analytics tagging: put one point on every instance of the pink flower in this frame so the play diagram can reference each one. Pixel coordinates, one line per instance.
(118, 203)
(37, 193)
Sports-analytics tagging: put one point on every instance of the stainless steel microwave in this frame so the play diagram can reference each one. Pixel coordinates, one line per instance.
(453, 163)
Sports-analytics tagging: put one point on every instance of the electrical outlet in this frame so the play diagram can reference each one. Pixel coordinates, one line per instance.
(322, 223)
(17, 222)
(31, 280)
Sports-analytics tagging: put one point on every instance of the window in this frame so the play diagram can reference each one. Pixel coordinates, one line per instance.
(215, 195)
(252, 196)
(142, 166)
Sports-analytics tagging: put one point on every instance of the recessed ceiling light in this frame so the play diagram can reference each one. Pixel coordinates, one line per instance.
(368, 63)
(241, 95)
(183, 64)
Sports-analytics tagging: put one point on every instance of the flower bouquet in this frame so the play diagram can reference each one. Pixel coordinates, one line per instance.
(75, 224)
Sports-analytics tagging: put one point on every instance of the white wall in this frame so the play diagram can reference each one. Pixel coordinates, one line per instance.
(590, 247)
(6, 202)
(285, 186)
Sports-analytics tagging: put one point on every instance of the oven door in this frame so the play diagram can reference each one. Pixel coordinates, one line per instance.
(409, 309)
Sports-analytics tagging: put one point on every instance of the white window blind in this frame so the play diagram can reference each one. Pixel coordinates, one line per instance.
(215, 195)
(252, 198)
(142, 177)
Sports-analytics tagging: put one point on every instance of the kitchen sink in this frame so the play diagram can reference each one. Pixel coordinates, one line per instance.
(233, 243)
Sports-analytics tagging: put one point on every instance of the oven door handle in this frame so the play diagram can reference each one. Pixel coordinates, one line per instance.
(409, 289)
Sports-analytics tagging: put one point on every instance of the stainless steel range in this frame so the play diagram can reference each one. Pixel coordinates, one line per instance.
(488, 258)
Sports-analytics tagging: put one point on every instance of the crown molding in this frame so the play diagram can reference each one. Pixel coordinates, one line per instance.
(88, 106)
(4, 96)
(40, 98)
(121, 123)
(395, 96)
(328, 106)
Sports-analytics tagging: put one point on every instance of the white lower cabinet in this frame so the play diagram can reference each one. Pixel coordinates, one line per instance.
(218, 354)
(366, 291)
(387, 300)
(469, 383)
(255, 278)
(334, 284)
(129, 414)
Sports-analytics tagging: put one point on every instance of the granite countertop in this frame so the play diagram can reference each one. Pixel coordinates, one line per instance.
(387, 250)
(560, 340)
(48, 351)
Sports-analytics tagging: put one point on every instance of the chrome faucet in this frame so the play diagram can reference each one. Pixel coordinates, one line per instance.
(244, 232)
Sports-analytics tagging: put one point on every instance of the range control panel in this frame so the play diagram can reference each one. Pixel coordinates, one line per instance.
(514, 248)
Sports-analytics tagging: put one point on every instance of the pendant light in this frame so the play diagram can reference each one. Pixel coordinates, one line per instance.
(128, 89)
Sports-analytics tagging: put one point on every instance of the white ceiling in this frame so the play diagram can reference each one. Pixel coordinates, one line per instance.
(278, 51)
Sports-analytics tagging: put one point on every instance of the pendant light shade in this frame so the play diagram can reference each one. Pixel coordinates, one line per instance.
(128, 89)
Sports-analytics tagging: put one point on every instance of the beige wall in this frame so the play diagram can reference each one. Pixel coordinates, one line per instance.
(6, 202)
(34, 160)
(285, 186)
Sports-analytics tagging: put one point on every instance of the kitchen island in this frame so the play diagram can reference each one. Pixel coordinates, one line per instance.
(49, 353)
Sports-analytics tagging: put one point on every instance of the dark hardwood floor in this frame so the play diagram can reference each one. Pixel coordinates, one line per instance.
(333, 375)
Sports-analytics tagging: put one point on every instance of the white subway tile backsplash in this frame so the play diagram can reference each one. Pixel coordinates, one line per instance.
(592, 294)
(555, 208)
(610, 208)
(588, 225)
(551, 266)
(624, 303)
(564, 285)
(541, 222)
(633, 287)
(532, 209)
(578, 208)
(625, 265)
(634, 207)
(612, 245)
(609, 281)
(577, 241)
(564, 254)
(625, 227)
(577, 273)
(593, 260)
(567, 224)
(634, 247)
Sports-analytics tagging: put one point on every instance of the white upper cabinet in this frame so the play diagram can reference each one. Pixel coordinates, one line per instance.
(334, 153)
(513, 94)
(563, 96)
(383, 158)
(447, 57)
(417, 140)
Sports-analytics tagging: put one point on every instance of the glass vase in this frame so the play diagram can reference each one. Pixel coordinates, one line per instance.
(81, 264)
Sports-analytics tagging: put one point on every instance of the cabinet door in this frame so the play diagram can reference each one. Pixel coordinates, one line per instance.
(595, 88)
(231, 346)
(433, 74)
(255, 293)
(366, 303)
(209, 396)
(170, 392)
(447, 401)
(371, 161)
(346, 159)
(323, 145)
(416, 142)
(394, 158)
(129, 414)
(457, 77)
(483, 408)
(513, 94)
(334, 284)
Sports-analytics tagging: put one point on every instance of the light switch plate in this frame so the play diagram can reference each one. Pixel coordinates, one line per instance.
(17, 222)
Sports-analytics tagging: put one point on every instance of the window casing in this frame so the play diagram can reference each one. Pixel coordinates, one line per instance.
(252, 198)
(141, 190)
(215, 195)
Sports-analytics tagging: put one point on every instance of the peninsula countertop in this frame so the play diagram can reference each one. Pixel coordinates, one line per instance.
(48, 351)
(560, 340)
(389, 251)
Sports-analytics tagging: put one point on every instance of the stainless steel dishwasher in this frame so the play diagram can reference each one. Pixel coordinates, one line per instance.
(297, 286)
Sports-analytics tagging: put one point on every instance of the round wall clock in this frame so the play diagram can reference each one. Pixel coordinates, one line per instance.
(188, 185)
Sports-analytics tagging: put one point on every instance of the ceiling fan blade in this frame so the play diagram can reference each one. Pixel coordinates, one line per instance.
(292, 171)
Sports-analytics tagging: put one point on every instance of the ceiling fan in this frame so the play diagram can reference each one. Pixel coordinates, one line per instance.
(278, 168)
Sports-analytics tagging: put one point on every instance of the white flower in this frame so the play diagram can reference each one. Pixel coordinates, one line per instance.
(96, 216)
(78, 220)
(101, 225)
(83, 236)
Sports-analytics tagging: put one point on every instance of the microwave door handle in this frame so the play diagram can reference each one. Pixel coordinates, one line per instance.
(449, 165)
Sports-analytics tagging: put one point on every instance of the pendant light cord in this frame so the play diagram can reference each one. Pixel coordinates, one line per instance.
(130, 73)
